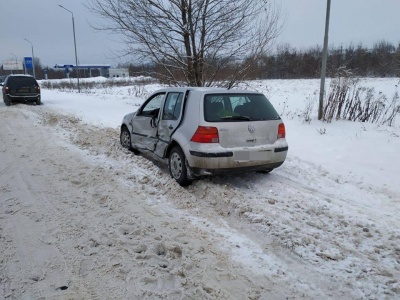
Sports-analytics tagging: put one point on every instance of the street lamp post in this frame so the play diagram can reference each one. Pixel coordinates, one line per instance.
(76, 56)
(16, 62)
(33, 59)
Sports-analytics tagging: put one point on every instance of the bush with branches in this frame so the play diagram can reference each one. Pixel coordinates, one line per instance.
(347, 100)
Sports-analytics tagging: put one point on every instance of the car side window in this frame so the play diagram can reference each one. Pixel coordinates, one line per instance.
(172, 107)
(153, 105)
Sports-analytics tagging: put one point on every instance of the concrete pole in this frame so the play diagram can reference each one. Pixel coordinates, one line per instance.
(76, 56)
(324, 61)
(33, 59)
(16, 63)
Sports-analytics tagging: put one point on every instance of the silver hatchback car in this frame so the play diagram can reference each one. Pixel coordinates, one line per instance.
(207, 131)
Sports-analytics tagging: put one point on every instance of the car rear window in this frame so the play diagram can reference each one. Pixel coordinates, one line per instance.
(238, 107)
(21, 81)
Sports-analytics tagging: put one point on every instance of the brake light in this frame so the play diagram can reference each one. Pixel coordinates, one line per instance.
(7, 89)
(205, 134)
(281, 131)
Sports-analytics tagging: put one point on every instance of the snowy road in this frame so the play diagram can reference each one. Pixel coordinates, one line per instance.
(81, 218)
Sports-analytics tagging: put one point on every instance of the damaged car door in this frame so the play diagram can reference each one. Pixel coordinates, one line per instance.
(169, 121)
(144, 123)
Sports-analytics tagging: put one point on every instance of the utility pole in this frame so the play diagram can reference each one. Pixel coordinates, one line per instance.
(16, 63)
(76, 56)
(324, 60)
(33, 60)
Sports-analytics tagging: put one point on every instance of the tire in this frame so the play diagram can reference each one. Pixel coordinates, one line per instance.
(38, 102)
(177, 166)
(266, 171)
(125, 139)
(7, 101)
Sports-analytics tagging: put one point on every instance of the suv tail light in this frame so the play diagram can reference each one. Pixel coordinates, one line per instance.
(205, 134)
(281, 131)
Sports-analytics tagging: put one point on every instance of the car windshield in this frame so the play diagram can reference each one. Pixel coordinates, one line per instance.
(238, 108)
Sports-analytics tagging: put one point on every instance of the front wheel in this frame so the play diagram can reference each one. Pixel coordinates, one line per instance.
(177, 166)
(125, 139)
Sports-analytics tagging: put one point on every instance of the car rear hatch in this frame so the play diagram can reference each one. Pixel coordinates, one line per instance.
(242, 120)
(25, 91)
(23, 87)
(247, 134)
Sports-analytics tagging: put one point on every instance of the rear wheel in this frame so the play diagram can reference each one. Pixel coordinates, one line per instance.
(38, 102)
(177, 166)
(266, 171)
(6, 100)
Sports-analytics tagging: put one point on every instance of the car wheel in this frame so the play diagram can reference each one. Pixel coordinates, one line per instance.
(125, 139)
(177, 166)
(266, 171)
(7, 101)
(38, 102)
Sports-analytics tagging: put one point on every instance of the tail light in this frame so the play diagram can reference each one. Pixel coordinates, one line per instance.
(205, 134)
(7, 89)
(281, 131)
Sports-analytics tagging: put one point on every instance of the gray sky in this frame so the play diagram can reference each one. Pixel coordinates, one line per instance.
(49, 28)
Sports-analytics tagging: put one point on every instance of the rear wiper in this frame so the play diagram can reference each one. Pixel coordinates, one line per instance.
(240, 118)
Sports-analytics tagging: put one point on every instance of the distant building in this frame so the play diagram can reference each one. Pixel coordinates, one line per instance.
(113, 73)
(103, 69)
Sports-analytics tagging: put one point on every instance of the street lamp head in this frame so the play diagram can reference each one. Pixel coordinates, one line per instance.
(66, 9)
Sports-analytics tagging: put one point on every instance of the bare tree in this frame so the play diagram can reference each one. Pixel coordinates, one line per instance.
(193, 42)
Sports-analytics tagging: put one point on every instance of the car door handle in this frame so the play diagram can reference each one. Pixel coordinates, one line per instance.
(170, 127)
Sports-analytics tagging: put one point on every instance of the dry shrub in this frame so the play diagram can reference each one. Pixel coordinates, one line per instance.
(347, 100)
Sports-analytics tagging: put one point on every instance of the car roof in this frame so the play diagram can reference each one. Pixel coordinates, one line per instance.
(20, 75)
(205, 90)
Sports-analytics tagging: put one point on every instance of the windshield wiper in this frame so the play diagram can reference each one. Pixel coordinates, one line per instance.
(239, 118)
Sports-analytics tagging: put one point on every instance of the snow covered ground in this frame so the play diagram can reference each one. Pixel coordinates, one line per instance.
(82, 218)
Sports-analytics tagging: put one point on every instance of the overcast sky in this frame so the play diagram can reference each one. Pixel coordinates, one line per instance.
(49, 28)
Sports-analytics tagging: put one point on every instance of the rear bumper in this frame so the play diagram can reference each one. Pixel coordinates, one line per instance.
(228, 154)
(236, 170)
(212, 160)
(23, 98)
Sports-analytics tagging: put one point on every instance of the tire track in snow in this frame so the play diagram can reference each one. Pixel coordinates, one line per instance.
(98, 228)
(303, 227)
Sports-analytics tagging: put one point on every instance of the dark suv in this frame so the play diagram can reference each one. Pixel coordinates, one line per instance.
(21, 88)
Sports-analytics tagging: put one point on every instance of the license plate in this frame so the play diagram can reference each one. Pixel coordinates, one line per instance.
(251, 155)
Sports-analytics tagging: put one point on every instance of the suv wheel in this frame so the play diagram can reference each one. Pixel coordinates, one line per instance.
(38, 102)
(6, 100)
(125, 139)
(177, 166)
